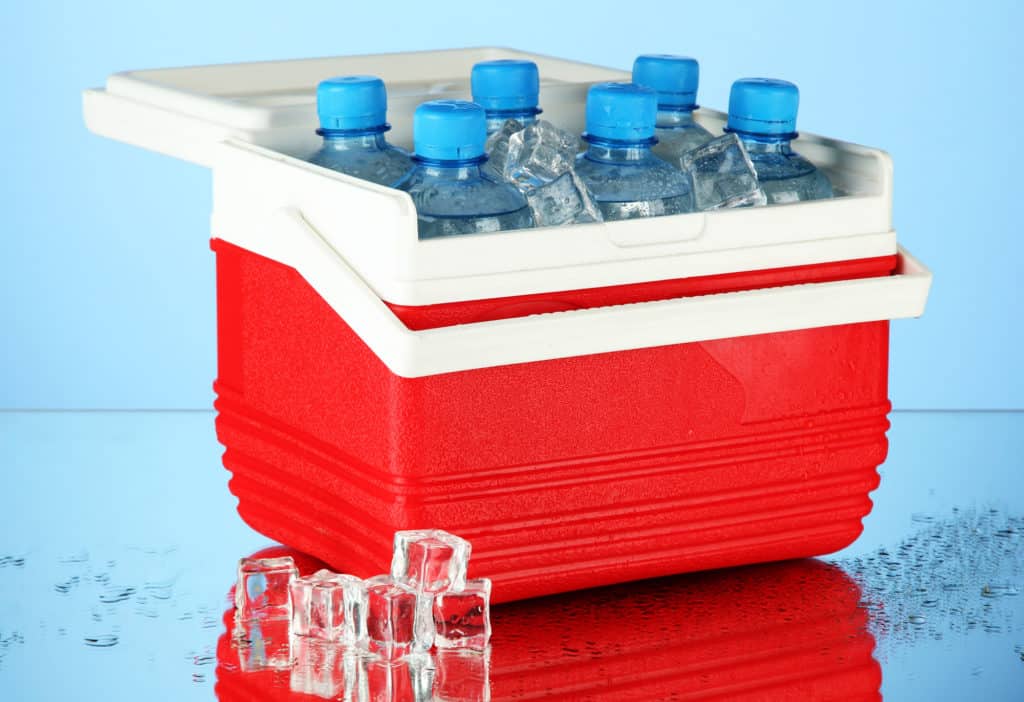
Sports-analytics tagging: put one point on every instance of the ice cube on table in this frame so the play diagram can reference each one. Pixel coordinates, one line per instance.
(326, 670)
(263, 588)
(497, 148)
(538, 154)
(329, 606)
(429, 560)
(723, 175)
(462, 619)
(391, 610)
(565, 200)
(462, 675)
(263, 644)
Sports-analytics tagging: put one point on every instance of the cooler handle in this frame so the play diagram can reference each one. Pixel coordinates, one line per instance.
(554, 335)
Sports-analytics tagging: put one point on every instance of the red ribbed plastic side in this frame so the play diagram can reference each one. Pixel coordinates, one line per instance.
(564, 474)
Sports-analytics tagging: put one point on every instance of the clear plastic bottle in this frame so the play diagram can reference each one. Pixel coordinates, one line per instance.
(506, 89)
(675, 79)
(762, 113)
(353, 112)
(623, 176)
(451, 192)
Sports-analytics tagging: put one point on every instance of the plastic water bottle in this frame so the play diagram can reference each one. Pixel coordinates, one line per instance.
(675, 79)
(762, 112)
(506, 89)
(623, 176)
(451, 192)
(352, 112)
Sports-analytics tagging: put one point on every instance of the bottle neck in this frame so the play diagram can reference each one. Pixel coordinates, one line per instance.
(674, 118)
(461, 170)
(766, 143)
(351, 140)
(614, 151)
(496, 118)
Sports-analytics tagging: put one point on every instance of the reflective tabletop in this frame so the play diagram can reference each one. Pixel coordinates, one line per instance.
(120, 542)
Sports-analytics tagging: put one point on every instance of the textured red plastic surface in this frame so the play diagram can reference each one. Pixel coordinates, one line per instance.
(564, 474)
(787, 631)
(469, 311)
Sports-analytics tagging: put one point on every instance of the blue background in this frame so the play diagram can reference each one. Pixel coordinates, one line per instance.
(108, 284)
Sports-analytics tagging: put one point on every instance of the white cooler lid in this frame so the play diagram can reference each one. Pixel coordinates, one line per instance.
(249, 122)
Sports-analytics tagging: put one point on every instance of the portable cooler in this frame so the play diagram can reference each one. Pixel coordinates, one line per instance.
(587, 404)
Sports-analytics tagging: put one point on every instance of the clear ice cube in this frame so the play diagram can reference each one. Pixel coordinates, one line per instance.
(462, 676)
(263, 644)
(564, 200)
(429, 560)
(462, 618)
(391, 613)
(263, 589)
(497, 148)
(329, 606)
(538, 154)
(326, 670)
(723, 175)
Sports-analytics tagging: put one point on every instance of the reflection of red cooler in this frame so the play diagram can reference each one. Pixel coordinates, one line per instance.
(786, 631)
(706, 390)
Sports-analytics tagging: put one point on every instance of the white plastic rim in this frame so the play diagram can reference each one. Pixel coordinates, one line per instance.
(245, 120)
(374, 227)
(554, 335)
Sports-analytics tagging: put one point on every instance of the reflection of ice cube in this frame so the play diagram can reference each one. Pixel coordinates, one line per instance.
(429, 560)
(405, 680)
(263, 586)
(390, 617)
(328, 606)
(723, 175)
(462, 676)
(539, 153)
(325, 669)
(263, 644)
(497, 148)
(565, 200)
(463, 618)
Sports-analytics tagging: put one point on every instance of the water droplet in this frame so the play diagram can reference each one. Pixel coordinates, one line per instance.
(101, 641)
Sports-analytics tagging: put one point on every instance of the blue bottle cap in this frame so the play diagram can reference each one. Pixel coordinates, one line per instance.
(449, 130)
(674, 77)
(763, 106)
(621, 112)
(352, 102)
(506, 84)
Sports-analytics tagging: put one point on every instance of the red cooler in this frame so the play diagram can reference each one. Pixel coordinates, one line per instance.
(588, 404)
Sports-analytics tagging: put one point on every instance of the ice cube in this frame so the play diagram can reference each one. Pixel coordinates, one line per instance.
(329, 606)
(565, 200)
(429, 560)
(462, 676)
(723, 175)
(497, 148)
(462, 618)
(263, 644)
(538, 154)
(263, 589)
(405, 680)
(326, 670)
(391, 617)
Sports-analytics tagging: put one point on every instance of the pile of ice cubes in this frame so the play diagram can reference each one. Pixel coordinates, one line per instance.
(344, 636)
(539, 160)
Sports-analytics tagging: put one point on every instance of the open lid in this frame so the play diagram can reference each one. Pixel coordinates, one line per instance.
(184, 112)
(254, 123)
